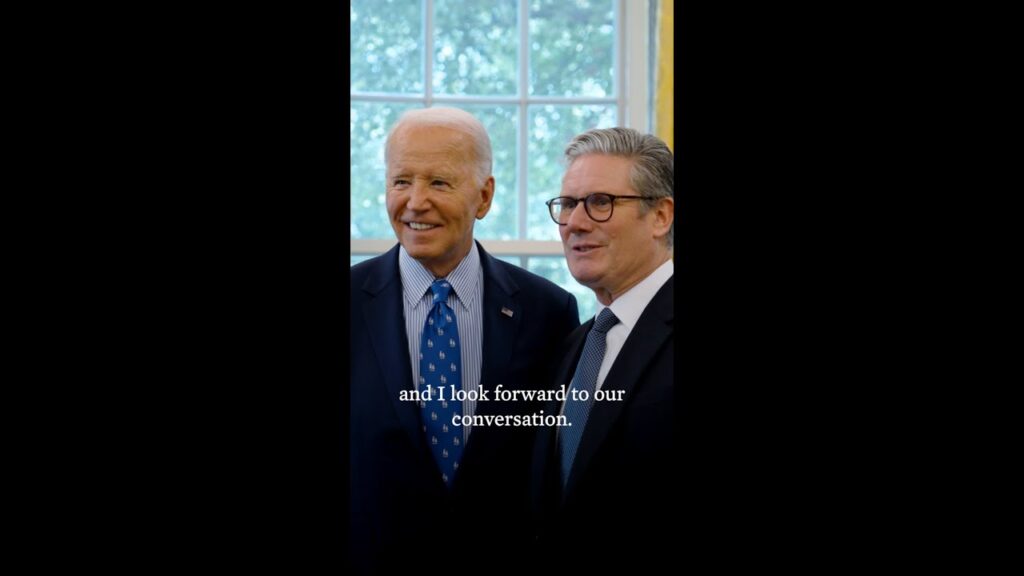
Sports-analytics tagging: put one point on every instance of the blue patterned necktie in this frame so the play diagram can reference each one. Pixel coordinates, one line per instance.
(585, 378)
(441, 366)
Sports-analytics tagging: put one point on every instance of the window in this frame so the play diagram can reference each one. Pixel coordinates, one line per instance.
(535, 72)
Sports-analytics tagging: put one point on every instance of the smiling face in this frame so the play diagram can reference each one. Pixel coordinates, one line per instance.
(434, 193)
(612, 257)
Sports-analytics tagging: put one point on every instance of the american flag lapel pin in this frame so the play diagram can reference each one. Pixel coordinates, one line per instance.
(506, 311)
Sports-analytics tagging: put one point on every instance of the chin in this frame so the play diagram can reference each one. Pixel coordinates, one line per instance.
(420, 251)
(584, 275)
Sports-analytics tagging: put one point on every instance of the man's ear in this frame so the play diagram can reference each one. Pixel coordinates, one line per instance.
(486, 196)
(664, 215)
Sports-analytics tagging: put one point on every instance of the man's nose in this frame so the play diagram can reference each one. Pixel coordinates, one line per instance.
(419, 196)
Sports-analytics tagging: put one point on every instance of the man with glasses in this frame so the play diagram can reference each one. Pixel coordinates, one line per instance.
(438, 312)
(602, 477)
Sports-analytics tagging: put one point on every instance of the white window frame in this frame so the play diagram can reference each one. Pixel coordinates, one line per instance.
(631, 98)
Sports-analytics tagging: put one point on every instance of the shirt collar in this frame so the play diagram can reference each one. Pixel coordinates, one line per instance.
(416, 279)
(631, 304)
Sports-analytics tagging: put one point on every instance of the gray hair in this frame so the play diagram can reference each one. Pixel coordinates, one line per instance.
(455, 119)
(652, 174)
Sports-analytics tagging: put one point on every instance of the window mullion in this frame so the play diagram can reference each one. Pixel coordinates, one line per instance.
(617, 60)
(523, 130)
(428, 52)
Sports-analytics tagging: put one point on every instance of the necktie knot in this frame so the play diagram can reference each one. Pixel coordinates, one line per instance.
(605, 320)
(439, 310)
(440, 288)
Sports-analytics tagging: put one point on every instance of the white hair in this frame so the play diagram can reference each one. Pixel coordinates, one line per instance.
(456, 119)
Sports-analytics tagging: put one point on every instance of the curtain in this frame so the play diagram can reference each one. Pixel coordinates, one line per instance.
(664, 65)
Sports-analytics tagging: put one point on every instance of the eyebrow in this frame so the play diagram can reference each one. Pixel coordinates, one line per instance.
(428, 176)
(591, 194)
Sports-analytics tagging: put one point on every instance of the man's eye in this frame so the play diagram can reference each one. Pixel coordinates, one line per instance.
(438, 183)
(399, 182)
(599, 201)
(568, 204)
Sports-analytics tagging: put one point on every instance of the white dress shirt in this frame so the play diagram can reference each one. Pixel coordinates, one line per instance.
(627, 308)
(466, 300)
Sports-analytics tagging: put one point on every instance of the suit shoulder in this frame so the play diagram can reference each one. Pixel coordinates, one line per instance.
(364, 268)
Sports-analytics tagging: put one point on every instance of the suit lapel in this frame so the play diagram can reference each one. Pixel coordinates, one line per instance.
(651, 332)
(502, 317)
(385, 324)
(499, 335)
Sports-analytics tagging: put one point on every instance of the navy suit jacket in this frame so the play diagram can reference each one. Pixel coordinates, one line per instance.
(621, 488)
(400, 508)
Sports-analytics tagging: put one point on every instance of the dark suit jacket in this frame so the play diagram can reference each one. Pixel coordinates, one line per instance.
(400, 508)
(622, 478)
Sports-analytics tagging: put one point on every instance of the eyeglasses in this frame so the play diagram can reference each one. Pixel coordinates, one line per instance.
(599, 206)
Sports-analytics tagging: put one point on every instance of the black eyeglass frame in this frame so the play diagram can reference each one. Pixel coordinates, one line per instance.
(586, 204)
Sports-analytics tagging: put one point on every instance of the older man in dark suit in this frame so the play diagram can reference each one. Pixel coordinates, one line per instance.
(429, 493)
(602, 484)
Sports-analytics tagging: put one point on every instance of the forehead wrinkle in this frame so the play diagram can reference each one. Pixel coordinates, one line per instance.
(438, 162)
(425, 167)
(587, 184)
(577, 178)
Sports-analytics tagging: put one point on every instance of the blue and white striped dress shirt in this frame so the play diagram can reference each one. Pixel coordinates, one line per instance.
(467, 280)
